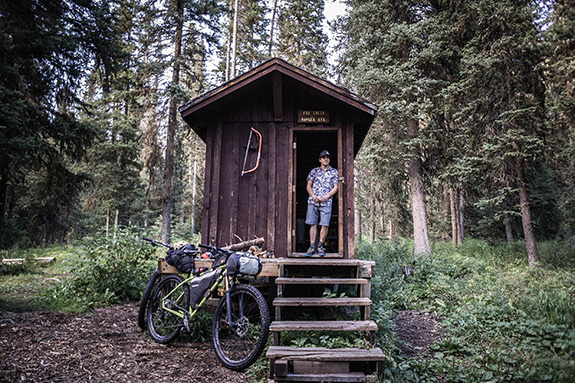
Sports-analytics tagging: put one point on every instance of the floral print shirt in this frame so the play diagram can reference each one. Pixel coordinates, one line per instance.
(323, 181)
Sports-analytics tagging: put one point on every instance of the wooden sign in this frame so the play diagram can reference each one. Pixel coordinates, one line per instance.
(313, 116)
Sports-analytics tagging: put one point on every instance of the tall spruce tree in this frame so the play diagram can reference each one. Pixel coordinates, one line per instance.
(502, 71)
(301, 40)
(47, 47)
(382, 58)
(561, 103)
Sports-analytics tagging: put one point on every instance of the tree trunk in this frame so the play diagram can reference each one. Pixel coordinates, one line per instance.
(107, 223)
(454, 218)
(419, 211)
(531, 245)
(372, 218)
(357, 225)
(272, 26)
(234, 40)
(391, 233)
(172, 122)
(461, 216)
(194, 186)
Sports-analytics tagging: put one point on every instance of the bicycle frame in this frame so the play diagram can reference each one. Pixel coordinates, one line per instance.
(190, 311)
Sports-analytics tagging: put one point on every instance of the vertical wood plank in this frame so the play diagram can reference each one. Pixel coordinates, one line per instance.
(206, 211)
(350, 196)
(215, 186)
(341, 166)
(236, 165)
(290, 183)
(272, 188)
(277, 96)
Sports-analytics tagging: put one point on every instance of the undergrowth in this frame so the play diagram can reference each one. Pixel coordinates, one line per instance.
(104, 270)
(504, 321)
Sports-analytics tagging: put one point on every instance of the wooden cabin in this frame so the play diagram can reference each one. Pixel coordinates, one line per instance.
(298, 115)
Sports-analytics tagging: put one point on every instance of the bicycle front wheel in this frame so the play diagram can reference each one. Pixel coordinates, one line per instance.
(170, 296)
(145, 301)
(238, 344)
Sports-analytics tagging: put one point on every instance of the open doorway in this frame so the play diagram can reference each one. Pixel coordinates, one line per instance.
(308, 145)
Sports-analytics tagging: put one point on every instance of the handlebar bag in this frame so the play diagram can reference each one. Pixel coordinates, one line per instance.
(243, 264)
(200, 285)
(181, 259)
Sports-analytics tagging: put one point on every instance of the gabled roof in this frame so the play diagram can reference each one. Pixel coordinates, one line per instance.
(287, 69)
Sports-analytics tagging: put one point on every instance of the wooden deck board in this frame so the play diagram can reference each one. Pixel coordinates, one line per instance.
(325, 354)
(323, 326)
(320, 281)
(322, 302)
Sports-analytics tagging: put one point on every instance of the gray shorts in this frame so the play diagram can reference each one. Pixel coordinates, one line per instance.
(315, 214)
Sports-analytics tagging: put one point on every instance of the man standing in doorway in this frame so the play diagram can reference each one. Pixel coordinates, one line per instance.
(321, 186)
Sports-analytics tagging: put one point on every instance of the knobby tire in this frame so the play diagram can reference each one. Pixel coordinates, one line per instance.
(239, 346)
(145, 301)
(163, 325)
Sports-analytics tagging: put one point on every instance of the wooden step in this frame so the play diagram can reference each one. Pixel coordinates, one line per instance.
(320, 281)
(278, 326)
(325, 354)
(323, 262)
(305, 256)
(321, 302)
(355, 377)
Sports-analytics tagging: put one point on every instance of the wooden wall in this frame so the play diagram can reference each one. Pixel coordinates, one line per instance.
(258, 204)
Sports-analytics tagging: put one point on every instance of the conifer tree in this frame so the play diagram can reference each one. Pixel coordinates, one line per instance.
(382, 61)
(47, 46)
(301, 40)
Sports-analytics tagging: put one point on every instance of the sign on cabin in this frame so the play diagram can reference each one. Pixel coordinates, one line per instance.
(313, 116)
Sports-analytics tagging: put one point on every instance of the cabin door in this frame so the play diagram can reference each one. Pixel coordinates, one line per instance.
(307, 146)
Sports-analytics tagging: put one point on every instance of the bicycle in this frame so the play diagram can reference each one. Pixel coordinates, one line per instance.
(240, 326)
(144, 302)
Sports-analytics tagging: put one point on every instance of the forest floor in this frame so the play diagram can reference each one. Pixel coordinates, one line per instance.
(106, 345)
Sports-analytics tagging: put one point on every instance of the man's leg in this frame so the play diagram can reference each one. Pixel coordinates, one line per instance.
(325, 217)
(312, 218)
(323, 233)
(322, 237)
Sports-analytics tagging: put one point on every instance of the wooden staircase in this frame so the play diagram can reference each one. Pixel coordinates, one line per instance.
(302, 305)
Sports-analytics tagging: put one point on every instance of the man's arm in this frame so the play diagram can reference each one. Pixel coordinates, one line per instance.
(329, 195)
(309, 189)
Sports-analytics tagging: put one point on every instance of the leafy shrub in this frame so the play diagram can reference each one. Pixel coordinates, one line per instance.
(504, 321)
(106, 271)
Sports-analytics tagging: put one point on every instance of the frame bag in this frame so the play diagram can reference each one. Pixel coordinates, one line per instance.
(200, 285)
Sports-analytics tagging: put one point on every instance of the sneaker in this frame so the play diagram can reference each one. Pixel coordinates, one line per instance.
(311, 251)
(321, 251)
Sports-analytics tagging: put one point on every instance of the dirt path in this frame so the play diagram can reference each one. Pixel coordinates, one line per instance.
(104, 345)
(417, 331)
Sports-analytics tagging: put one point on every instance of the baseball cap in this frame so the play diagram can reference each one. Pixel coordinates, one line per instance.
(324, 153)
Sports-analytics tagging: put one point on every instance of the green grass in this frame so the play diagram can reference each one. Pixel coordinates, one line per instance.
(504, 321)
(22, 286)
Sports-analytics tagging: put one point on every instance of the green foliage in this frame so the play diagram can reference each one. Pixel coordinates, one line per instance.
(106, 271)
(504, 321)
(301, 40)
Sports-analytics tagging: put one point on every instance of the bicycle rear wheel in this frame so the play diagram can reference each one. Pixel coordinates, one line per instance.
(145, 301)
(170, 294)
(238, 346)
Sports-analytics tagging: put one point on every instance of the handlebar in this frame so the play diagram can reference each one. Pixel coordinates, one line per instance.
(153, 242)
